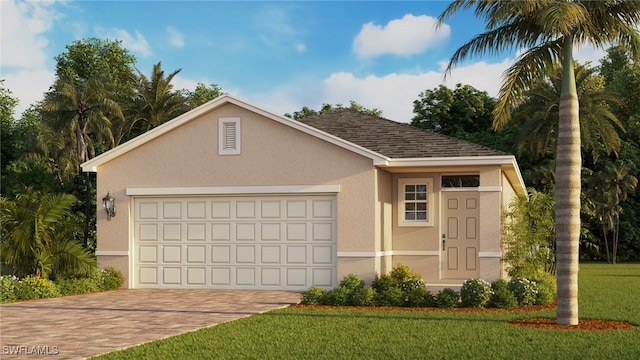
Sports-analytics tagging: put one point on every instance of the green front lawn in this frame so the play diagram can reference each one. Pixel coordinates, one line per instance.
(606, 292)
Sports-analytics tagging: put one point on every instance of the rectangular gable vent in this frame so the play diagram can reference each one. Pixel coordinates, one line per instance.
(229, 136)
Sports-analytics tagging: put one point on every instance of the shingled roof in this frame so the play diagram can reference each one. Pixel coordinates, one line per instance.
(394, 139)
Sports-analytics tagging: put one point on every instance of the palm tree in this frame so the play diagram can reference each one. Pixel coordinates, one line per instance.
(536, 119)
(548, 30)
(155, 102)
(83, 111)
(36, 240)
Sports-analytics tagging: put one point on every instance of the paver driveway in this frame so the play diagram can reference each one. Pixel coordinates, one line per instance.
(80, 326)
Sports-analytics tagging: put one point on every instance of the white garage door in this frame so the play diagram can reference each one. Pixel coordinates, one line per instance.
(244, 242)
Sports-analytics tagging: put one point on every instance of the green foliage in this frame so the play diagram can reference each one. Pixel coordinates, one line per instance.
(109, 278)
(524, 290)
(545, 295)
(384, 282)
(406, 278)
(36, 236)
(33, 287)
(202, 94)
(392, 296)
(306, 111)
(340, 296)
(363, 296)
(315, 295)
(529, 235)
(475, 293)
(75, 286)
(419, 297)
(447, 298)
(352, 282)
(501, 297)
(8, 285)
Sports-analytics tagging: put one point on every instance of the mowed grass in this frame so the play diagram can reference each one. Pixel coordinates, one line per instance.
(606, 292)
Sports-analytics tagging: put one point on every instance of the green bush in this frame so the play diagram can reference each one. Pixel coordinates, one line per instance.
(352, 282)
(549, 280)
(313, 296)
(545, 294)
(8, 287)
(364, 296)
(32, 287)
(406, 278)
(384, 282)
(475, 293)
(524, 290)
(501, 297)
(447, 298)
(339, 296)
(419, 297)
(110, 279)
(75, 286)
(392, 296)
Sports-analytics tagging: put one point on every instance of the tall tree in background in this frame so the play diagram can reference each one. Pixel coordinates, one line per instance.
(306, 111)
(549, 30)
(93, 77)
(155, 101)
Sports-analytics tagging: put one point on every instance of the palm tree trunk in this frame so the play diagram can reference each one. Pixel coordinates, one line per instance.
(567, 193)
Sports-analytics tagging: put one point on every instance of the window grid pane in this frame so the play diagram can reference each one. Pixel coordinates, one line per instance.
(415, 202)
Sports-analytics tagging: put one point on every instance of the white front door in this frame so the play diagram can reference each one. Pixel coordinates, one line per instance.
(460, 237)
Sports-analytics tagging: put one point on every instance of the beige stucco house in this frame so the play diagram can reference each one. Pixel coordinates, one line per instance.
(233, 196)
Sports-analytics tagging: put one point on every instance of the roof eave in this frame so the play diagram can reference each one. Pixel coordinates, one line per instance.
(508, 163)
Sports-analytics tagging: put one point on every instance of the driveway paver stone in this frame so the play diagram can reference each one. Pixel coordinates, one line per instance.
(81, 326)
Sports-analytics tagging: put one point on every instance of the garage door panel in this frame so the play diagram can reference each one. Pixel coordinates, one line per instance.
(275, 242)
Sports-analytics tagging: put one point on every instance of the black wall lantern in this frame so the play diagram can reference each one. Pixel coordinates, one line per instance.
(108, 202)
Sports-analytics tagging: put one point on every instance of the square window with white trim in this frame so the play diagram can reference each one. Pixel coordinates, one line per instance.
(229, 136)
(414, 202)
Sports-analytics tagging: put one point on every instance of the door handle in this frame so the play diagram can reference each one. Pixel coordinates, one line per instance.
(443, 242)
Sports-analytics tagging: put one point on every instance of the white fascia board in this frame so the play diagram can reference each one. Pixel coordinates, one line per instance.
(92, 165)
(453, 161)
(234, 190)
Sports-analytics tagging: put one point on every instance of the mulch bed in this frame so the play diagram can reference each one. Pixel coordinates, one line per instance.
(538, 323)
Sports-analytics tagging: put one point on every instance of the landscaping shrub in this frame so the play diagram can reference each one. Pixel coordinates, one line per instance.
(109, 279)
(8, 286)
(501, 297)
(475, 293)
(384, 282)
(406, 278)
(352, 282)
(392, 296)
(32, 287)
(524, 291)
(447, 298)
(75, 286)
(313, 296)
(545, 294)
(339, 296)
(364, 296)
(419, 297)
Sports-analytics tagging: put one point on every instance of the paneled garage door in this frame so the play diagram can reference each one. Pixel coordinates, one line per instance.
(244, 242)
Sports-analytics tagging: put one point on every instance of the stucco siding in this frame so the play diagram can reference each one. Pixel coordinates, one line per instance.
(271, 154)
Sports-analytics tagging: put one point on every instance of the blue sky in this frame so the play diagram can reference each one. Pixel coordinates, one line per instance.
(277, 55)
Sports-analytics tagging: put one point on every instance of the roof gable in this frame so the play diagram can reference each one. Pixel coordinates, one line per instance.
(122, 149)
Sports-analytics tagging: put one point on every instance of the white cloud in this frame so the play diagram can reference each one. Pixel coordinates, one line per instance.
(406, 36)
(23, 28)
(392, 93)
(28, 86)
(136, 44)
(176, 38)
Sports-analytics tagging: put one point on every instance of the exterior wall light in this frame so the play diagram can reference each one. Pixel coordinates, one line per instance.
(108, 202)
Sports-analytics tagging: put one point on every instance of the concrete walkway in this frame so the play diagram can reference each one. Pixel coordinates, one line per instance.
(81, 326)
